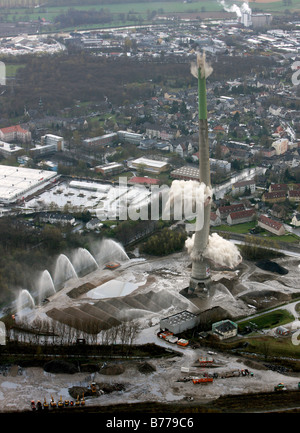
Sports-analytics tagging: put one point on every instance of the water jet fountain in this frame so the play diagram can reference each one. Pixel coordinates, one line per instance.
(83, 261)
(45, 286)
(64, 270)
(25, 303)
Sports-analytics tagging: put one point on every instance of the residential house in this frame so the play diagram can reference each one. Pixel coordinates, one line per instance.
(280, 146)
(224, 211)
(274, 197)
(271, 225)
(241, 216)
(57, 218)
(278, 187)
(242, 186)
(15, 133)
(294, 195)
(296, 220)
(215, 220)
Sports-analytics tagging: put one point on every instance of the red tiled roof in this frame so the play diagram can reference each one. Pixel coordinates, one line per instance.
(144, 180)
(270, 223)
(294, 193)
(274, 194)
(242, 214)
(278, 187)
(231, 208)
(15, 128)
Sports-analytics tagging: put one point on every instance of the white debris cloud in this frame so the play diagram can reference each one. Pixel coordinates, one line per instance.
(201, 64)
(219, 250)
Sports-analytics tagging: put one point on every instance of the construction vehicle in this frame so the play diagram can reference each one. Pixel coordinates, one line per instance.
(60, 402)
(202, 380)
(182, 342)
(45, 405)
(39, 405)
(279, 387)
(52, 402)
(93, 388)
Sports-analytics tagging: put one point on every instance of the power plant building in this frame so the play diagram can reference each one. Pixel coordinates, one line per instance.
(180, 322)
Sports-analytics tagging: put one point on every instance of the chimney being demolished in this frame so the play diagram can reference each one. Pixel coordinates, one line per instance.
(200, 277)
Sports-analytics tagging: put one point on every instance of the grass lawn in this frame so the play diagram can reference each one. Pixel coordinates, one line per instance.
(270, 346)
(268, 320)
(237, 228)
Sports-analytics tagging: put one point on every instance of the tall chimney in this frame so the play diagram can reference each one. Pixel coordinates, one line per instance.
(200, 277)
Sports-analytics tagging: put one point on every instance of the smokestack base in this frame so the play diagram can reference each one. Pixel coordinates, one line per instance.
(200, 287)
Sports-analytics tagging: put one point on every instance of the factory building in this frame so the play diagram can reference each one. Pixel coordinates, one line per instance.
(180, 322)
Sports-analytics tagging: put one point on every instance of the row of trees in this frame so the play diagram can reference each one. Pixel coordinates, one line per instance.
(165, 242)
(55, 333)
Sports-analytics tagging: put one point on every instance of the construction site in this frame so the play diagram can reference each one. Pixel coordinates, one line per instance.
(146, 292)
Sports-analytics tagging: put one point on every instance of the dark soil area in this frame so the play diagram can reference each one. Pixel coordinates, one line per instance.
(268, 265)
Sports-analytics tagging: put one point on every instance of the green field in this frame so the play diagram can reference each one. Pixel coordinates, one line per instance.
(268, 320)
(141, 9)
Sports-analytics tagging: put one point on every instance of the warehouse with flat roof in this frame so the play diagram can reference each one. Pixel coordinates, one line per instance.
(180, 322)
(18, 182)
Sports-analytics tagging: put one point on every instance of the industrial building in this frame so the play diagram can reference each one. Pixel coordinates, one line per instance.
(17, 182)
(225, 329)
(149, 165)
(8, 149)
(180, 322)
(186, 173)
(109, 169)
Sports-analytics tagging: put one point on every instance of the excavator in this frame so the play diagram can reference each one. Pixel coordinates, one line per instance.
(279, 387)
